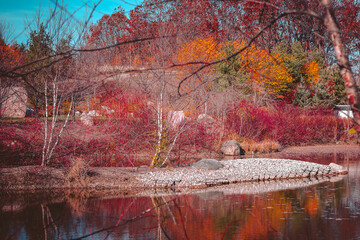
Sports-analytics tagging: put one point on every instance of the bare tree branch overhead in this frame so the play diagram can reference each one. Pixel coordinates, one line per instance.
(179, 119)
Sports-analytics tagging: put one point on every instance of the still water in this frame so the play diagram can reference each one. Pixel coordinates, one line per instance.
(327, 210)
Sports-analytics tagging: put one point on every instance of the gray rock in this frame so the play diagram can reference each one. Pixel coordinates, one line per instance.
(338, 168)
(87, 120)
(232, 148)
(206, 118)
(210, 164)
(237, 170)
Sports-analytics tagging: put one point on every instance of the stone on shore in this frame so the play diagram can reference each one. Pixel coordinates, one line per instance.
(87, 120)
(337, 168)
(232, 148)
(236, 171)
(209, 164)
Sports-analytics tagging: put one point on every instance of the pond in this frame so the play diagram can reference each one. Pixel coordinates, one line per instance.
(316, 210)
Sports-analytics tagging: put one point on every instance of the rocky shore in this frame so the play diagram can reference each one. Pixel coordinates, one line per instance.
(209, 172)
(203, 174)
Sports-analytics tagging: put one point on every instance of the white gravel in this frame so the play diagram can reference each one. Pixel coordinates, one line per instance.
(235, 171)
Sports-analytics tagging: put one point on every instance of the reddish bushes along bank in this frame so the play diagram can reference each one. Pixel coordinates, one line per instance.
(285, 123)
(128, 137)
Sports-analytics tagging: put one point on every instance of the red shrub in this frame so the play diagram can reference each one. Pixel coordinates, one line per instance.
(199, 136)
(20, 143)
(126, 130)
(249, 121)
(287, 124)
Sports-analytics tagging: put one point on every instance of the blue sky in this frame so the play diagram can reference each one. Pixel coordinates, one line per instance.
(15, 12)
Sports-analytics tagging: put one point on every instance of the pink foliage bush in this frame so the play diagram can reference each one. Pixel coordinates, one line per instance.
(196, 139)
(114, 139)
(124, 131)
(287, 124)
(20, 143)
(127, 136)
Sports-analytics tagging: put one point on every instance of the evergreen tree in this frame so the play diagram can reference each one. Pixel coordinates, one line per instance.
(339, 87)
(39, 46)
(322, 95)
(232, 72)
(311, 77)
(294, 59)
(302, 95)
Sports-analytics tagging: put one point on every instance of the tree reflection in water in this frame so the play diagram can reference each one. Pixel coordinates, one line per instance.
(329, 210)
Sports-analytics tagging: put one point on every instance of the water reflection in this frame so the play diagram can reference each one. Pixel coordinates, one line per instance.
(327, 210)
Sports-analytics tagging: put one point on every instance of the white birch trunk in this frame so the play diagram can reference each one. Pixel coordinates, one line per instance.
(52, 140)
(43, 160)
(159, 126)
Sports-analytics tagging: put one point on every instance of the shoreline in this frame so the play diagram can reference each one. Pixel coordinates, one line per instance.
(239, 171)
(139, 179)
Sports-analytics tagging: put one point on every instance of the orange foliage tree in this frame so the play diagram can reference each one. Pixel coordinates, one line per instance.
(311, 70)
(10, 56)
(199, 50)
(264, 69)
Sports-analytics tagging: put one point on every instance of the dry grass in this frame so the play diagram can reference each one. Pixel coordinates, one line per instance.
(265, 146)
(78, 172)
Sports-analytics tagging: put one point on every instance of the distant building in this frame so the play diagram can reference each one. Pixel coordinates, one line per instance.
(13, 102)
(343, 111)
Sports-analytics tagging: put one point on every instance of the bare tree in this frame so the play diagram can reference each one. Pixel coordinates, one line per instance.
(6, 31)
(342, 58)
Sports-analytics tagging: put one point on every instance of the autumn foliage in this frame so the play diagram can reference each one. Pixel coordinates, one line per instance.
(285, 123)
(194, 57)
(10, 57)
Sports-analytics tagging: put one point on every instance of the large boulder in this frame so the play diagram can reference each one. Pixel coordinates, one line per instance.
(87, 120)
(232, 148)
(176, 118)
(209, 164)
(205, 118)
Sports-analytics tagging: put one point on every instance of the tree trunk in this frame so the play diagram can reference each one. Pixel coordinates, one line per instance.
(159, 117)
(342, 58)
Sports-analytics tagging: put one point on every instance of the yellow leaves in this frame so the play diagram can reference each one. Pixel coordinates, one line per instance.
(267, 71)
(140, 61)
(311, 69)
(352, 130)
(66, 105)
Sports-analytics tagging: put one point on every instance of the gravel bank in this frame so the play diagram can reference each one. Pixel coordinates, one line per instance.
(138, 180)
(236, 171)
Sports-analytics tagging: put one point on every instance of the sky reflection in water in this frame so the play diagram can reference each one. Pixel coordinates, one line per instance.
(329, 210)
